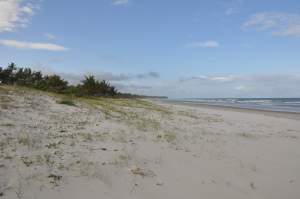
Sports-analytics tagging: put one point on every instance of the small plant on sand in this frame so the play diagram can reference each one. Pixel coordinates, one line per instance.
(27, 161)
(49, 159)
(170, 137)
(87, 137)
(142, 172)
(54, 179)
(39, 160)
(24, 139)
(121, 160)
(102, 136)
(246, 135)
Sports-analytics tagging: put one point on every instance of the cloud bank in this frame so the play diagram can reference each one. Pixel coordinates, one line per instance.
(233, 7)
(267, 85)
(50, 36)
(31, 45)
(263, 85)
(279, 24)
(205, 44)
(15, 14)
(120, 2)
(201, 86)
(115, 78)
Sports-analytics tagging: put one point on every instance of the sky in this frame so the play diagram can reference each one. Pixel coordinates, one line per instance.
(175, 48)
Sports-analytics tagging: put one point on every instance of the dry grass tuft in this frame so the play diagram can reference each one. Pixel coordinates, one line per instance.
(142, 172)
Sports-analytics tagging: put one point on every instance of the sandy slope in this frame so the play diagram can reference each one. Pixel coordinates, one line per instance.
(134, 149)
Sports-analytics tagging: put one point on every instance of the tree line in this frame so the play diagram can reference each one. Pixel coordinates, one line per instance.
(89, 86)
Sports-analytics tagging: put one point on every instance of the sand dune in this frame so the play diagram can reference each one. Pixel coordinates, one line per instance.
(117, 148)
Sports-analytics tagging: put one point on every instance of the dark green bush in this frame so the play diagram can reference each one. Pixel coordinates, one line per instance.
(54, 83)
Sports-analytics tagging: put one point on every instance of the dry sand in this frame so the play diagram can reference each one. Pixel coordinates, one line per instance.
(112, 148)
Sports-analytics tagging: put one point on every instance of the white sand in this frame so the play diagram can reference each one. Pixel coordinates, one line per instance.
(128, 149)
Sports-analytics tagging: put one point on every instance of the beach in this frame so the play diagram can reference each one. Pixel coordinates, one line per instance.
(142, 148)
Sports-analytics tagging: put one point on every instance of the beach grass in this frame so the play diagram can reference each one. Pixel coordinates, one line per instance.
(67, 101)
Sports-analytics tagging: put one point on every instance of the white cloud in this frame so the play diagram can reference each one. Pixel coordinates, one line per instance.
(262, 85)
(15, 14)
(228, 78)
(120, 2)
(205, 44)
(280, 24)
(222, 78)
(31, 45)
(50, 36)
(231, 7)
(242, 88)
(231, 11)
(27, 9)
(76, 78)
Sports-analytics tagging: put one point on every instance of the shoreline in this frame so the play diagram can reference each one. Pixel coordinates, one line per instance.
(273, 113)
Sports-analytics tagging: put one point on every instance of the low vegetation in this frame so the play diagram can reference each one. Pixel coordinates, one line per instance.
(68, 102)
(12, 75)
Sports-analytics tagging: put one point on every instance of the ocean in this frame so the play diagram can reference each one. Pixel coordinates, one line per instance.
(271, 104)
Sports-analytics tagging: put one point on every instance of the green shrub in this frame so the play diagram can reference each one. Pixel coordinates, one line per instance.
(68, 102)
(54, 83)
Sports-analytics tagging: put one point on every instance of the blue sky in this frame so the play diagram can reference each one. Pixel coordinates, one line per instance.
(216, 48)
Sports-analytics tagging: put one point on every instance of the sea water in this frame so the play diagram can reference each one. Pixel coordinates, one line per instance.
(271, 104)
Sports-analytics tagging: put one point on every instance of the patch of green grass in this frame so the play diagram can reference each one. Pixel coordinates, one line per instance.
(118, 104)
(102, 136)
(39, 160)
(146, 124)
(143, 104)
(68, 102)
(130, 111)
(87, 137)
(246, 135)
(7, 125)
(5, 101)
(167, 136)
(121, 160)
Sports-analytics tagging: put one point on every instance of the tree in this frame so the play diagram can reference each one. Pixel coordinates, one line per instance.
(113, 91)
(54, 83)
(7, 74)
(23, 77)
(89, 85)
